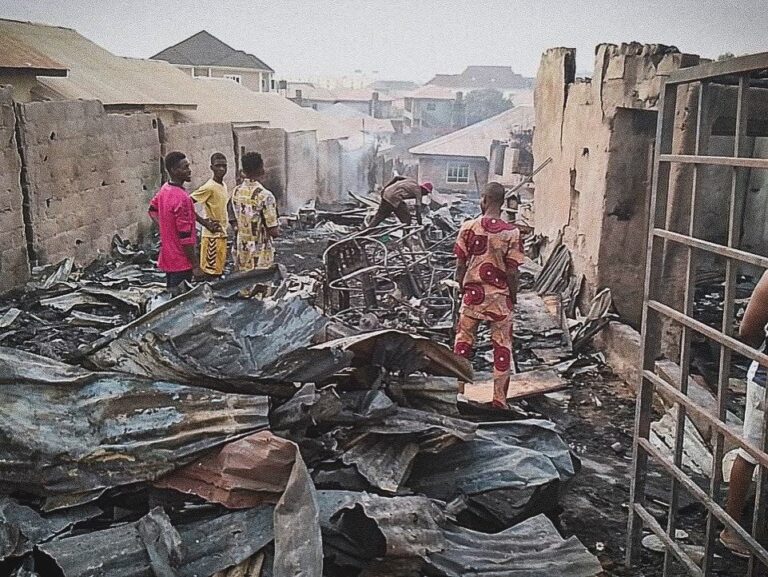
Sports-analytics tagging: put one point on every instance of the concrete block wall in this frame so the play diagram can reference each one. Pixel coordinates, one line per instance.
(14, 265)
(330, 171)
(89, 175)
(199, 142)
(301, 168)
(271, 144)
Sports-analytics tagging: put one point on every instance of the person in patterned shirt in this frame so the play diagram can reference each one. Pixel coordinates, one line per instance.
(255, 212)
(488, 252)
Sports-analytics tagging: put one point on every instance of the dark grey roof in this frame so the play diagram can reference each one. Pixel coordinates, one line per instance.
(204, 49)
(501, 77)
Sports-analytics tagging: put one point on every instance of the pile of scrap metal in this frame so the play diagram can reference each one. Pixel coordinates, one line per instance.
(221, 434)
(557, 277)
(64, 307)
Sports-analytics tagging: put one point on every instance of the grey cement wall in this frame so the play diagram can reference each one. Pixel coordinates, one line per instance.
(621, 260)
(84, 175)
(89, 176)
(271, 144)
(14, 265)
(301, 168)
(595, 192)
(199, 142)
(330, 171)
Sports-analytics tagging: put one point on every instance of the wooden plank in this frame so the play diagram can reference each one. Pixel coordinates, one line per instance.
(709, 332)
(728, 252)
(651, 325)
(521, 386)
(697, 492)
(715, 160)
(670, 372)
(671, 545)
(729, 67)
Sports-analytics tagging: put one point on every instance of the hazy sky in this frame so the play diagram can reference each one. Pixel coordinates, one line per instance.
(407, 39)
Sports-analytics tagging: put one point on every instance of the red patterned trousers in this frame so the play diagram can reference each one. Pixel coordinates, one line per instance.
(501, 339)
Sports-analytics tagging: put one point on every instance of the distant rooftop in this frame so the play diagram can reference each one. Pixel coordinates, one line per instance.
(15, 54)
(204, 49)
(394, 85)
(475, 140)
(479, 77)
(431, 92)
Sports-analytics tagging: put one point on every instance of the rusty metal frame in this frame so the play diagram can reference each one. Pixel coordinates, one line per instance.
(739, 71)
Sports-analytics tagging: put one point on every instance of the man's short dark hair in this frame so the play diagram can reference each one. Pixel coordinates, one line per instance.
(172, 160)
(217, 156)
(252, 162)
(494, 192)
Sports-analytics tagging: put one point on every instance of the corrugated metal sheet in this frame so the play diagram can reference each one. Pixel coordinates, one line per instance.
(194, 550)
(499, 457)
(241, 474)
(213, 338)
(22, 527)
(533, 548)
(383, 460)
(106, 430)
(400, 351)
(508, 472)
(359, 527)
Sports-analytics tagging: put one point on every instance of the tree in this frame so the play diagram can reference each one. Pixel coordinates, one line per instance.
(482, 104)
(725, 56)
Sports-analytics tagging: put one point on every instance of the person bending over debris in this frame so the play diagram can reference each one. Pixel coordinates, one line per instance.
(488, 252)
(256, 214)
(751, 332)
(214, 198)
(174, 212)
(393, 197)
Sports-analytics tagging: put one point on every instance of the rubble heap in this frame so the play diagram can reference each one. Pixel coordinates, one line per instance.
(239, 430)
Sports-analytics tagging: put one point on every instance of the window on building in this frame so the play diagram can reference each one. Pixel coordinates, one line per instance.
(236, 77)
(431, 106)
(200, 72)
(272, 84)
(458, 172)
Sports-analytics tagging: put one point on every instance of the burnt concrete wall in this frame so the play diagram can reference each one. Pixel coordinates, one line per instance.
(434, 169)
(14, 265)
(199, 142)
(301, 167)
(625, 220)
(271, 144)
(595, 194)
(89, 175)
(329, 171)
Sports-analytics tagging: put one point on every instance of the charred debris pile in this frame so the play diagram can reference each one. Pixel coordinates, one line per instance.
(274, 424)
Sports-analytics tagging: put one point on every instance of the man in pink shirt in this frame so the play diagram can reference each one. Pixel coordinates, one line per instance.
(174, 212)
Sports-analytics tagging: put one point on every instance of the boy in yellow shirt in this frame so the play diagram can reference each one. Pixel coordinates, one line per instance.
(214, 197)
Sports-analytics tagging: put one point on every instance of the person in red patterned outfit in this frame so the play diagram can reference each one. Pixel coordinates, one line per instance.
(488, 252)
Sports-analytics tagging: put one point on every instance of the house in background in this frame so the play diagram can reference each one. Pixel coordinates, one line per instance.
(365, 101)
(502, 78)
(392, 86)
(21, 65)
(204, 55)
(433, 107)
(461, 161)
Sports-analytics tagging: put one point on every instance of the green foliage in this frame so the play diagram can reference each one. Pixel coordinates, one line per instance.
(725, 56)
(482, 104)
